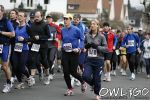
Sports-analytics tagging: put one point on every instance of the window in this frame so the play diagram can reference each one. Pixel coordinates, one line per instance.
(13, 1)
(46, 1)
(72, 6)
(98, 11)
(29, 3)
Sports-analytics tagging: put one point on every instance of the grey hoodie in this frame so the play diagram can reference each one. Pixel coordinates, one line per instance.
(99, 40)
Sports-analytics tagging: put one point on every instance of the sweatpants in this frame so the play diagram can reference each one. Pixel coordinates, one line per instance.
(92, 73)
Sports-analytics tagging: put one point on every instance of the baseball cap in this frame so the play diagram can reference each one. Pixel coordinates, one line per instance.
(49, 16)
(140, 29)
(68, 16)
(32, 13)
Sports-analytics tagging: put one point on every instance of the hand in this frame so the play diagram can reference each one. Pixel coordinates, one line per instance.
(0, 32)
(37, 37)
(148, 48)
(127, 46)
(20, 38)
(76, 50)
(121, 48)
(84, 50)
(93, 45)
(87, 46)
(139, 50)
(114, 47)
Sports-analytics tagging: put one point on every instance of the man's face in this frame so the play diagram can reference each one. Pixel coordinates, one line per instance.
(13, 15)
(49, 20)
(76, 21)
(38, 17)
(31, 18)
(67, 21)
(140, 32)
(129, 30)
(106, 28)
(21, 17)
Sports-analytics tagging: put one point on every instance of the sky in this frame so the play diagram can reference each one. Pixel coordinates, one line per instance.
(134, 3)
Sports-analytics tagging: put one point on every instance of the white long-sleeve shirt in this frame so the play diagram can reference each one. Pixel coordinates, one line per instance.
(146, 45)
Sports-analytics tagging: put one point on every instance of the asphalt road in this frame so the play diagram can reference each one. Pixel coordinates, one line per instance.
(139, 89)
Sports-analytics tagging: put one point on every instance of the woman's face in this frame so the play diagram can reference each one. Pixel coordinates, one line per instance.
(147, 36)
(94, 26)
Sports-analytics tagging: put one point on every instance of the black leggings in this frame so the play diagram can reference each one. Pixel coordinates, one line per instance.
(19, 62)
(11, 61)
(70, 62)
(131, 60)
(114, 61)
(51, 57)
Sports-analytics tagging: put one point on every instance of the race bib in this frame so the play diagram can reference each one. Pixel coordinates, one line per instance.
(117, 52)
(67, 47)
(92, 52)
(35, 47)
(18, 47)
(131, 43)
(1, 48)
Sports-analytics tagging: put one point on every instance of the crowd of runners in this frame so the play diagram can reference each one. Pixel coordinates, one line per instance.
(83, 53)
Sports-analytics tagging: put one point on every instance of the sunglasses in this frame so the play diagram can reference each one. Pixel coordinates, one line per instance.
(76, 19)
(66, 18)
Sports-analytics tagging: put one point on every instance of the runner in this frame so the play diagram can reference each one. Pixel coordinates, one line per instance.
(146, 49)
(70, 53)
(13, 19)
(131, 42)
(54, 41)
(111, 41)
(20, 52)
(6, 32)
(39, 49)
(95, 44)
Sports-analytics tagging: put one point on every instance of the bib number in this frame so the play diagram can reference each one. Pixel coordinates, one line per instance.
(117, 52)
(1, 48)
(131, 43)
(35, 47)
(18, 47)
(68, 47)
(92, 52)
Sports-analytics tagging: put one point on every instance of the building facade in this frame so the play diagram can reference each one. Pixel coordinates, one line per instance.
(47, 5)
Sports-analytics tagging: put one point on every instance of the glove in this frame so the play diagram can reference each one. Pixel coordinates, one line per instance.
(93, 45)
(87, 46)
(148, 48)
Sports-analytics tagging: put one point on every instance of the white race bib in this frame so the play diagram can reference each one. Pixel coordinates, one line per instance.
(92, 52)
(18, 47)
(117, 52)
(67, 47)
(131, 43)
(1, 48)
(35, 47)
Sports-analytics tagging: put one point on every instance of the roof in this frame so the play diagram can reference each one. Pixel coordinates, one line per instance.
(106, 4)
(82, 6)
(118, 8)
